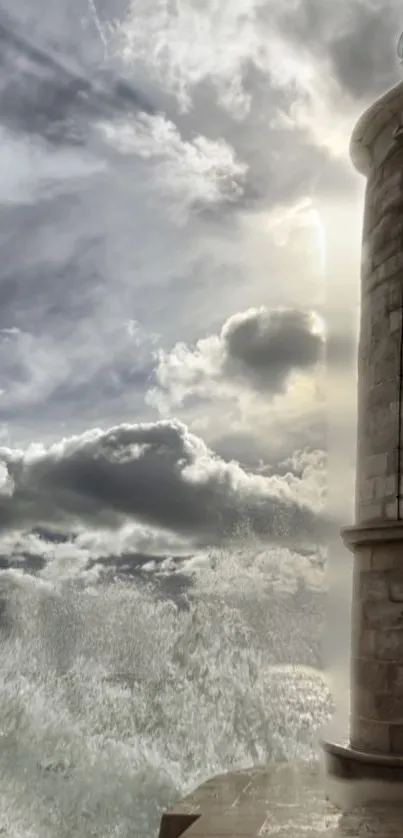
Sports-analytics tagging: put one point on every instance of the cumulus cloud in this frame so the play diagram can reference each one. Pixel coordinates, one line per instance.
(156, 473)
(269, 346)
(254, 389)
(258, 347)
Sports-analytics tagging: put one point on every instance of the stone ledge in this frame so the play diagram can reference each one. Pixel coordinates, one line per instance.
(283, 800)
(371, 533)
(344, 762)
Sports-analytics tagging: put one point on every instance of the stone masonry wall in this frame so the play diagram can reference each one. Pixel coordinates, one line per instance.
(377, 649)
(379, 347)
(377, 612)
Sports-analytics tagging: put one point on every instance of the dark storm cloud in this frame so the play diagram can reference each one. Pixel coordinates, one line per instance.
(156, 473)
(268, 346)
(357, 37)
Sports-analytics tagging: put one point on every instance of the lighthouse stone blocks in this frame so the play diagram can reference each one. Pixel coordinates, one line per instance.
(379, 356)
(376, 539)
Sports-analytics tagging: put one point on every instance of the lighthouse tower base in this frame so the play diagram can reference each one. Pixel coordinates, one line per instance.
(374, 754)
(358, 778)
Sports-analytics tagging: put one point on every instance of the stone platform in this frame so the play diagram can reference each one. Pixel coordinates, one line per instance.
(347, 763)
(286, 801)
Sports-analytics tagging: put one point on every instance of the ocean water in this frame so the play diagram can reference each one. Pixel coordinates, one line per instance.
(118, 696)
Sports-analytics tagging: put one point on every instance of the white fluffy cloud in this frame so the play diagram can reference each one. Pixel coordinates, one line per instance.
(260, 375)
(258, 348)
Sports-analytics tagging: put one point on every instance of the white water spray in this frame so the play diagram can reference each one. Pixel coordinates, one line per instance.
(116, 701)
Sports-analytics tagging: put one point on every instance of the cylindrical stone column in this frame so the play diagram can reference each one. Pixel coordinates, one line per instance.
(377, 537)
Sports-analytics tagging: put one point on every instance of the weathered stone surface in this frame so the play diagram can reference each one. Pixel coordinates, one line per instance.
(369, 674)
(392, 460)
(286, 801)
(363, 642)
(389, 708)
(379, 676)
(375, 464)
(384, 615)
(371, 126)
(373, 586)
(393, 295)
(395, 678)
(385, 707)
(382, 367)
(379, 356)
(380, 116)
(390, 248)
(363, 561)
(381, 431)
(369, 735)
(395, 321)
(381, 395)
(395, 583)
(391, 266)
(381, 323)
(385, 145)
(370, 511)
(371, 218)
(377, 538)
(393, 163)
(387, 645)
(366, 490)
(386, 557)
(385, 487)
(390, 177)
(391, 510)
(371, 769)
(396, 739)
(389, 228)
(364, 705)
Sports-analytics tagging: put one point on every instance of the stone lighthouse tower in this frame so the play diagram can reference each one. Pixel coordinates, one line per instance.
(375, 749)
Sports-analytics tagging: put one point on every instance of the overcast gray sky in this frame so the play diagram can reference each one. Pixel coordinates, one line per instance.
(179, 216)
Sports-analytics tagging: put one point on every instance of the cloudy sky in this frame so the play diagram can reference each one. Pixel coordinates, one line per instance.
(179, 221)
